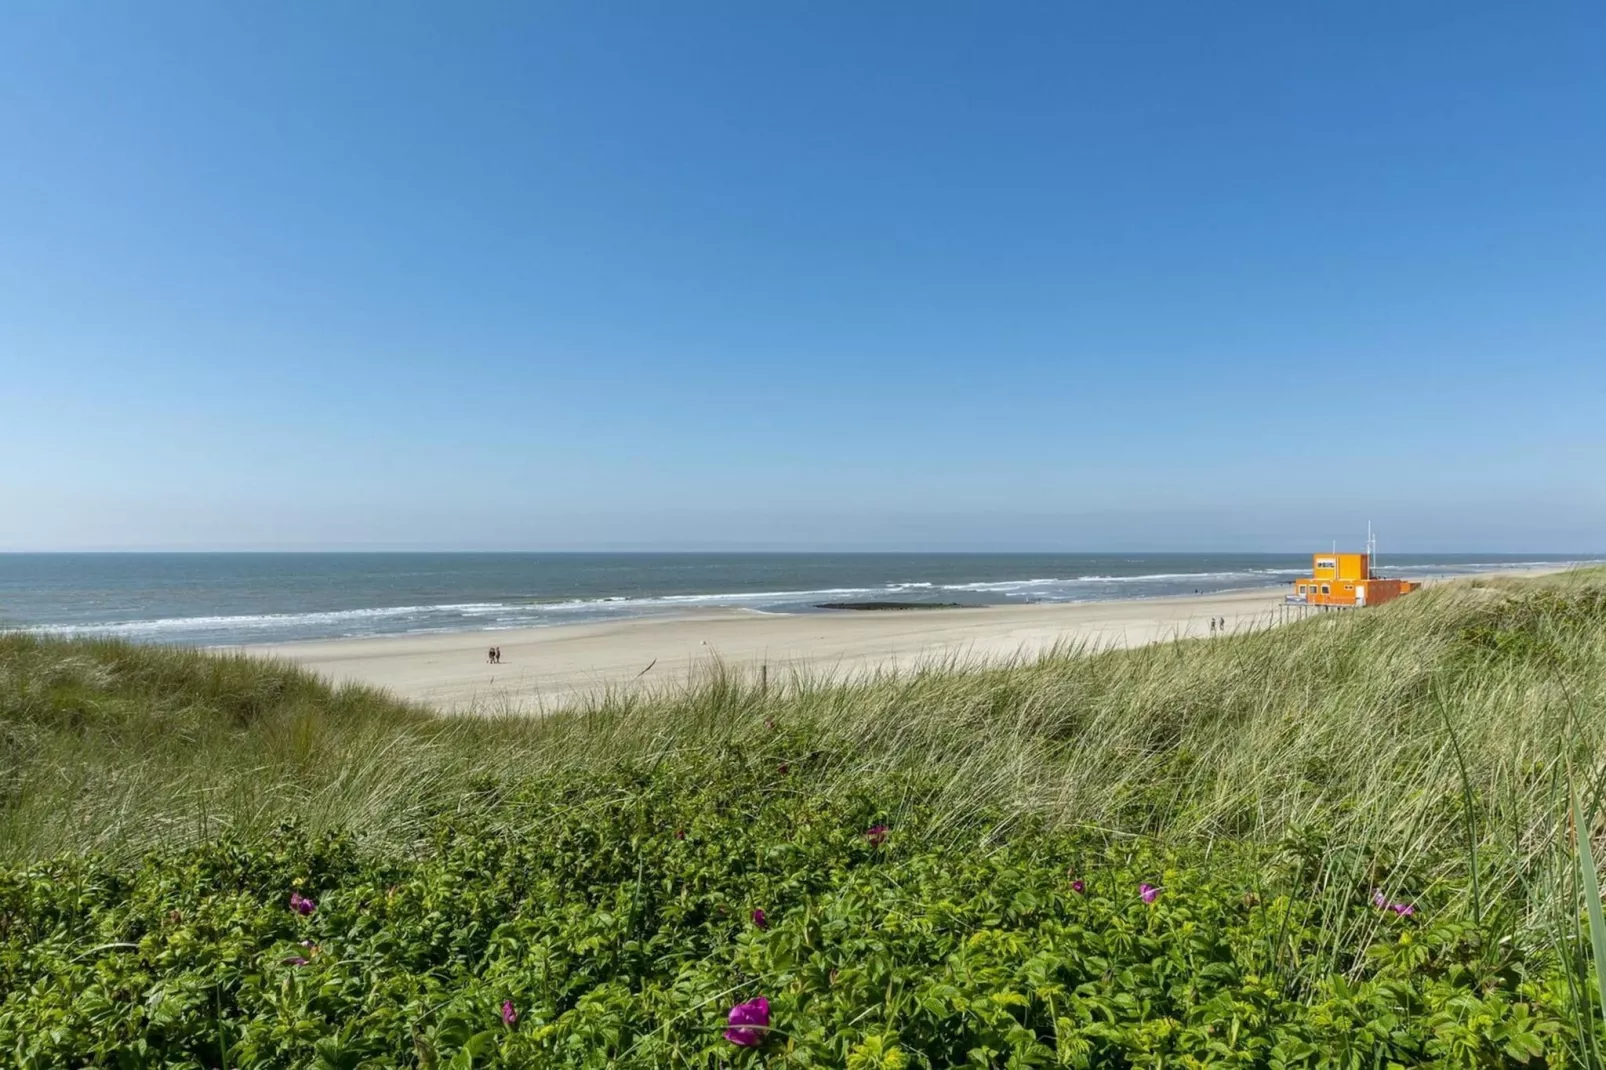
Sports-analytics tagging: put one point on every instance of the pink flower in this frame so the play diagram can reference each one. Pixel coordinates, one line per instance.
(509, 1015)
(1148, 891)
(876, 834)
(760, 919)
(295, 960)
(749, 1022)
(1404, 910)
(301, 904)
(1078, 887)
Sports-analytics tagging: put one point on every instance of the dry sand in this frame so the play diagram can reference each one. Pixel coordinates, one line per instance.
(544, 668)
(547, 668)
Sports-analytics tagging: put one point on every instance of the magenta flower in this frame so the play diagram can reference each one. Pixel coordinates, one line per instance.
(1380, 901)
(1148, 891)
(761, 919)
(749, 1022)
(295, 960)
(301, 904)
(876, 834)
(509, 1015)
(1078, 887)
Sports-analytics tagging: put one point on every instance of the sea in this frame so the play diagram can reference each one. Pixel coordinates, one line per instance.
(219, 599)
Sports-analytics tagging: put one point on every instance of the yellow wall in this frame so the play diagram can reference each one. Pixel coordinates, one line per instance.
(1331, 567)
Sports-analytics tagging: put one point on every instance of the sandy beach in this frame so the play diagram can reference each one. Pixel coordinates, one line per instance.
(544, 668)
(547, 668)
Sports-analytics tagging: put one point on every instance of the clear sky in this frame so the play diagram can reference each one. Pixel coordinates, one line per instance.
(1018, 275)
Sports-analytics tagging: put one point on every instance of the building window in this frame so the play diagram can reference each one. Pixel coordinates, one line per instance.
(1327, 589)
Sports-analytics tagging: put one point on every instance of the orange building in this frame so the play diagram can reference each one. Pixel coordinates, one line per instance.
(1346, 580)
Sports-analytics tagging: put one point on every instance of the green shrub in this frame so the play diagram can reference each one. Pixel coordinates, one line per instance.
(616, 915)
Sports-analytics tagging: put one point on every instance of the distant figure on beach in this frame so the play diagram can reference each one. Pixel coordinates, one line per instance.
(495, 656)
(1212, 626)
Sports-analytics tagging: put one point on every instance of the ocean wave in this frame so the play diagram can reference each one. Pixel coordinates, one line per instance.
(519, 613)
(498, 616)
(1147, 577)
(1003, 585)
(1154, 577)
(450, 616)
(1482, 566)
(249, 621)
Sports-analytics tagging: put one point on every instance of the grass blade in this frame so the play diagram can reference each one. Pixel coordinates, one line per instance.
(1591, 885)
(1469, 810)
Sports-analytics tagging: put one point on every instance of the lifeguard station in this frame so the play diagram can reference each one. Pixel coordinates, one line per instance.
(1347, 581)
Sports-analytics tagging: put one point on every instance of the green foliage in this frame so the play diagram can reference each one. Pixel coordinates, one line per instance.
(1589, 880)
(598, 867)
(616, 915)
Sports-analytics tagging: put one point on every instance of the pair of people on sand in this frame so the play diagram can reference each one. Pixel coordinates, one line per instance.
(1218, 624)
(495, 657)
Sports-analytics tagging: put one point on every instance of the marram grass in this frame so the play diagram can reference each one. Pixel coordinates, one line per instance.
(1347, 723)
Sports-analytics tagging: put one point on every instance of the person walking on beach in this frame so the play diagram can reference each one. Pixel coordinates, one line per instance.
(1212, 626)
(494, 656)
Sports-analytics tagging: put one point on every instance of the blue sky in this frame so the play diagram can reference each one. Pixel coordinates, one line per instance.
(1033, 275)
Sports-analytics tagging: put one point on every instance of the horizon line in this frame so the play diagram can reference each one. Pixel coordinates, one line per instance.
(759, 549)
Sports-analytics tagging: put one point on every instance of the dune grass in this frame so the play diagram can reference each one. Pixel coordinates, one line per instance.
(1432, 745)
(1375, 726)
